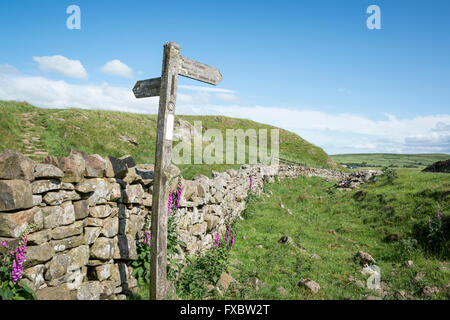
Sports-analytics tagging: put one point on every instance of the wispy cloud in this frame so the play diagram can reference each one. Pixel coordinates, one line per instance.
(117, 68)
(62, 65)
(8, 69)
(207, 89)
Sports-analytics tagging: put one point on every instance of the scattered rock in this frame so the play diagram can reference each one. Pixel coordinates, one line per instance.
(408, 264)
(256, 283)
(429, 291)
(364, 258)
(310, 285)
(282, 291)
(225, 281)
(358, 282)
(283, 239)
(128, 139)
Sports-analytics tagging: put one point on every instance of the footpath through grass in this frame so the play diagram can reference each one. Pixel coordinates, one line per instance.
(335, 225)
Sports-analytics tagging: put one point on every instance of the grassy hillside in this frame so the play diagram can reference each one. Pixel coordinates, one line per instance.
(389, 159)
(36, 131)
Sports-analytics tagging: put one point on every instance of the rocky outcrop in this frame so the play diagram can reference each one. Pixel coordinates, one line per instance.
(356, 178)
(439, 166)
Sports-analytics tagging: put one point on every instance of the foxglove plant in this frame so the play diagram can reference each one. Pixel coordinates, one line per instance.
(179, 191)
(11, 268)
(170, 201)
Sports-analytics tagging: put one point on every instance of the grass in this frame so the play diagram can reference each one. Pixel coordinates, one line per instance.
(318, 210)
(336, 225)
(96, 131)
(389, 159)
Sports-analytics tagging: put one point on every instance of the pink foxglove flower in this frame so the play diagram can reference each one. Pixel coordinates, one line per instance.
(170, 201)
(232, 242)
(179, 190)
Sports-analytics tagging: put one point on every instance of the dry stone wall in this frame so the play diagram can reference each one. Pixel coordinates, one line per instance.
(90, 212)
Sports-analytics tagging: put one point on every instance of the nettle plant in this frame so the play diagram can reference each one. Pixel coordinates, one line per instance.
(142, 264)
(11, 268)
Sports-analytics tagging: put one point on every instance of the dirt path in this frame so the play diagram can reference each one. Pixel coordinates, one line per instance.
(32, 146)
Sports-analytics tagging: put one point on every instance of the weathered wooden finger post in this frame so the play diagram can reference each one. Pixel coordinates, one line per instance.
(166, 87)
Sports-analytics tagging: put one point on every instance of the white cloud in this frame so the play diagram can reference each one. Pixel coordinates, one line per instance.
(8, 69)
(210, 89)
(117, 68)
(228, 97)
(365, 146)
(43, 92)
(62, 65)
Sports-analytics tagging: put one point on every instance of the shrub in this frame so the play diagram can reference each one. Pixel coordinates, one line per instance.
(390, 174)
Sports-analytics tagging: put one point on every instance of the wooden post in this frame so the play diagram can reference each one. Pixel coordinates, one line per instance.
(166, 88)
(163, 156)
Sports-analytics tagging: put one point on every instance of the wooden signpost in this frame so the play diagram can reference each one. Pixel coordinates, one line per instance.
(166, 88)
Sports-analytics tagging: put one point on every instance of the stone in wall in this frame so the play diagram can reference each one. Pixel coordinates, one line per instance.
(47, 171)
(13, 224)
(15, 166)
(73, 166)
(115, 168)
(15, 194)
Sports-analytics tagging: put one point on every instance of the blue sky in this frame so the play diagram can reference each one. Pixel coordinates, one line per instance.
(312, 67)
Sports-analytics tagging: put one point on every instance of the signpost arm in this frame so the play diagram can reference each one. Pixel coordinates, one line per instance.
(163, 154)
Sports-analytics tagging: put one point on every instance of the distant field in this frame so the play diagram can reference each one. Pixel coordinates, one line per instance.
(389, 159)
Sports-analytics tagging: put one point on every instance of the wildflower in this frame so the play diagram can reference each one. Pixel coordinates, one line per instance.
(179, 190)
(438, 215)
(147, 238)
(228, 233)
(232, 242)
(4, 244)
(217, 242)
(19, 259)
(251, 181)
(170, 200)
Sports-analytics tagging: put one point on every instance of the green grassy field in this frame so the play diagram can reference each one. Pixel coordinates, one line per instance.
(335, 225)
(389, 159)
(94, 131)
